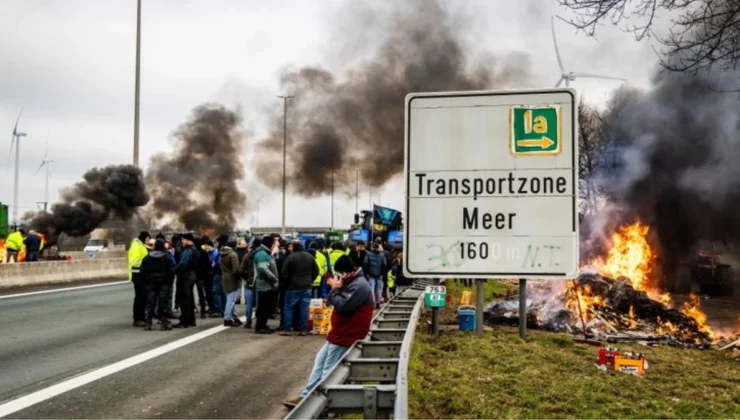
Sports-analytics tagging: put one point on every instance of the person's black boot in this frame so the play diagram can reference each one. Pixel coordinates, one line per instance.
(148, 324)
(248, 325)
(166, 325)
(139, 324)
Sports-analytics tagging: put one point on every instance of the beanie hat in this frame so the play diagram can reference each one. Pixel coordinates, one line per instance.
(188, 236)
(344, 264)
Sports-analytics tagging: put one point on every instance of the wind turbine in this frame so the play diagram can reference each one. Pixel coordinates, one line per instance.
(17, 142)
(47, 162)
(570, 76)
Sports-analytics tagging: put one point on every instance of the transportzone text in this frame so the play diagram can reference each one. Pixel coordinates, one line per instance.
(491, 186)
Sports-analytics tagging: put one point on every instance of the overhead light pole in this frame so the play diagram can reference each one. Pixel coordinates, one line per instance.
(285, 148)
(137, 88)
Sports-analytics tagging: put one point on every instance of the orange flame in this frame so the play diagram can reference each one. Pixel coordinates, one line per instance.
(630, 256)
(692, 308)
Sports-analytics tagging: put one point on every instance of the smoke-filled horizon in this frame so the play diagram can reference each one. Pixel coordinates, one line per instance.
(196, 185)
(677, 163)
(341, 123)
(113, 191)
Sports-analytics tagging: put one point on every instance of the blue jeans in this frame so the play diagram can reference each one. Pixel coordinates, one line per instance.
(294, 297)
(230, 311)
(376, 285)
(249, 297)
(326, 359)
(218, 294)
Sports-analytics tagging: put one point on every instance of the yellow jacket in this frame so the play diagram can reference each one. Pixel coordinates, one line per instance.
(14, 241)
(334, 256)
(136, 254)
(323, 268)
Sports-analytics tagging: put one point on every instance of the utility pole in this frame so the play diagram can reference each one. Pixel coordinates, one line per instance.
(15, 185)
(138, 83)
(285, 148)
(357, 194)
(332, 199)
(257, 222)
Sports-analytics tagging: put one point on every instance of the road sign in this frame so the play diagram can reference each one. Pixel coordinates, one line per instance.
(435, 296)
(535, 130)
(491, 184)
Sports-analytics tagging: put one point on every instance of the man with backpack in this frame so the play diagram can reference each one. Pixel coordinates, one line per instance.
(157, 271)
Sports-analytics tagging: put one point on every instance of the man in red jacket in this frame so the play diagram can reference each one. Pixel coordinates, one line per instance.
(350, 320)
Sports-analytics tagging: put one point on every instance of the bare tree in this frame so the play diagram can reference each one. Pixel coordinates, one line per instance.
(704, 34)
(591, 143)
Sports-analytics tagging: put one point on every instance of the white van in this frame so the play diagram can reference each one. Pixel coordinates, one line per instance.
(96, 245)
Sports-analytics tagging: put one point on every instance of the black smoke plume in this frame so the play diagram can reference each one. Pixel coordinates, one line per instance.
(113, 191)
(197, 184)
(341, 123)
(673, 161)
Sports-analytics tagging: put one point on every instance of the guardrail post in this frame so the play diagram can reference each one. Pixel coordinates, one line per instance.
(370, 408)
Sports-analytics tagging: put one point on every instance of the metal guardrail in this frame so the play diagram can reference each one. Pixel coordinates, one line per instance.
(372, 377)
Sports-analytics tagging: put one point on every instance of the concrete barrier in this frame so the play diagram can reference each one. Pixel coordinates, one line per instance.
(51, 272)
(80, 255)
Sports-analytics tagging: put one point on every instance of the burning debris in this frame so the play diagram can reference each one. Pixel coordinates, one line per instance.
(113, 191)
(197, 184)
(603, 308)
(614, 299)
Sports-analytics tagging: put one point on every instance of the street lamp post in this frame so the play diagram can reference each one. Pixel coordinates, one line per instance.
(285, 148)
(138, 83)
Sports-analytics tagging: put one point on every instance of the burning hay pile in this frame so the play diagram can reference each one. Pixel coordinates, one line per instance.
(607, 309)
(614, 299)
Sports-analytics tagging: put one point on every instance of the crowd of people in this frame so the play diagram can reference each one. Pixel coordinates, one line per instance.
(274, 277)
(18, 241)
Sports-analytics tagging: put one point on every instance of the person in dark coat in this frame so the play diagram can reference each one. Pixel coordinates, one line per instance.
(157, 271)
(299, 271)
(232, 282)
(204, 274)
(358, 254)
(374, 267)
(185, 271)
(33, 246)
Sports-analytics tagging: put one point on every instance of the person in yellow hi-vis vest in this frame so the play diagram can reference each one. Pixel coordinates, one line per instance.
(136, 253)
(14, 245)
(323, 264)
(337, 250)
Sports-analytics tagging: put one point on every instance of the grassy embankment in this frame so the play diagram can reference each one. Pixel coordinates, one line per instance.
(460, 375)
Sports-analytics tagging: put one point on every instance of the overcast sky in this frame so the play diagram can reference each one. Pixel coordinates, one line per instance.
(70, 65)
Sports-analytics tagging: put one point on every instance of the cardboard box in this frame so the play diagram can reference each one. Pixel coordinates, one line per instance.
(631, 365)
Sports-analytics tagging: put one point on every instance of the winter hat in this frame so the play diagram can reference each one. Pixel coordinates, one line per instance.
(231, 243)
(344, 264)
(188, 236)
(159, 245)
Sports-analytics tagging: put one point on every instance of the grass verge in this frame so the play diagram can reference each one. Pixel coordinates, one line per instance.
(498, 375)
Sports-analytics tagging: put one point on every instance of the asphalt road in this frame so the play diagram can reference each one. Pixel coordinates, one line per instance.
(48, 338)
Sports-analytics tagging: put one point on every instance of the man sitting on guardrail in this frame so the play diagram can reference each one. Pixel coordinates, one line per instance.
(353, 304)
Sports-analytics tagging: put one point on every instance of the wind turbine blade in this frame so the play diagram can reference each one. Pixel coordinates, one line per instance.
(597, 76)
(557, 50)
(41, 166)
(15, 129)
(559, 81)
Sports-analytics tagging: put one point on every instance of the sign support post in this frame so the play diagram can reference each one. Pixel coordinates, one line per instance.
(523, 308)
(479, 306)
(435, 315)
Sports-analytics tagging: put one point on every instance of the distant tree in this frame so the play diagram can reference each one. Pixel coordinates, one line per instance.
(705, 33)
(591, 143)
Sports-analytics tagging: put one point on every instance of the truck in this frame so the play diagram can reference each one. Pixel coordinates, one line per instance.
(707, 270)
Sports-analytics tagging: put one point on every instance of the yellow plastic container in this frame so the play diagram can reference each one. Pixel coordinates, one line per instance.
(467, 298)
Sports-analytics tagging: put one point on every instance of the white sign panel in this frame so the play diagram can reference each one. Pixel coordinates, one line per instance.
(491, 184)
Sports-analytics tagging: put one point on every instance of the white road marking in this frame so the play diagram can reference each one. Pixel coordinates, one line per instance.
(62, 290)
(21, 403)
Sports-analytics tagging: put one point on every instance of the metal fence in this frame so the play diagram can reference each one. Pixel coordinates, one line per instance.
(372, 377)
